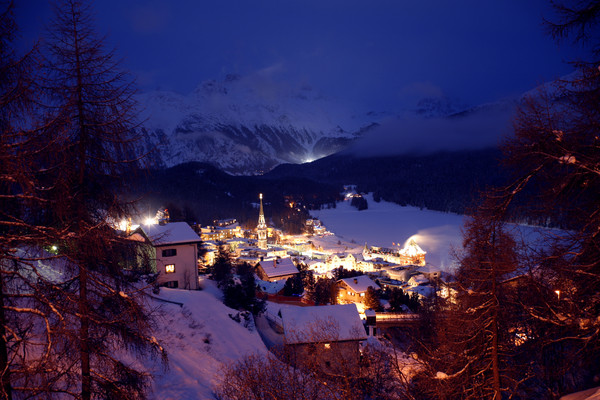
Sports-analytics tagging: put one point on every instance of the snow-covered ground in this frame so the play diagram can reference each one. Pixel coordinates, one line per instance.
(384, 224)
(200, 338)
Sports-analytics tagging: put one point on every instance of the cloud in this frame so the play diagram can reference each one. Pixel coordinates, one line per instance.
(476, 129)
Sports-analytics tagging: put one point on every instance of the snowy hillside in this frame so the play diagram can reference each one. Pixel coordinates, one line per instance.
(200, 338)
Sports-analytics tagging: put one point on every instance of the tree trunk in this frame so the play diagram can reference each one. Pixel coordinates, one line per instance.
(4, 367)
(495, 359)
(86, 381)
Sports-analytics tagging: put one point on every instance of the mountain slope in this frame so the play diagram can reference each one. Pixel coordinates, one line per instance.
(244, 126)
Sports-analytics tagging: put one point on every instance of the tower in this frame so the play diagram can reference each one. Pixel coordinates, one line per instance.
(261, 228)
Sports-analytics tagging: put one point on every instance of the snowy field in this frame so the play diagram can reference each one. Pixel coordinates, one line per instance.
(385, 223)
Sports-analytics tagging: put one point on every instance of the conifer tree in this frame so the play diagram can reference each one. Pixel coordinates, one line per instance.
(90, 130)
(474, 354)
(25, 331)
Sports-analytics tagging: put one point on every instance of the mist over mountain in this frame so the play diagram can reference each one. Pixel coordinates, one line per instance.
(251, 124)
(248, 125)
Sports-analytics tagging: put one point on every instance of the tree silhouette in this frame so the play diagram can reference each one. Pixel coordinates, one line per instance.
(89, 130)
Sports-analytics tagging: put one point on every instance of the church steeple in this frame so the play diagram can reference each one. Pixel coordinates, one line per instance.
(261, 228)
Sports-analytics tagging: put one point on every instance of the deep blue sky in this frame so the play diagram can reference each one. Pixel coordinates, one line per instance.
(378, 54)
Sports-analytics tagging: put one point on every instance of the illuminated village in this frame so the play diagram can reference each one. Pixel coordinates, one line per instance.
(299, 200)
(277, 257)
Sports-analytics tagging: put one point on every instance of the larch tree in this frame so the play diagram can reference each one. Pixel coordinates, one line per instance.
(474, 352)
(90, 127)
(555, 160)
(25, 318)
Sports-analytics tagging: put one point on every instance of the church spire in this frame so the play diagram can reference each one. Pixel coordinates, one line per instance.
(261, 228)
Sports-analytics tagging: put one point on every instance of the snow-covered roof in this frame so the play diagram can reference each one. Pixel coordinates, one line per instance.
(322, 324)
(359, 283)
(429, 269)
(278, 267)
(172, 233)
(271, 287)
(417, 280)
(423, 290)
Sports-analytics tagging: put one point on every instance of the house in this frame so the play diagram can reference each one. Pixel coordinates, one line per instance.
(346, 261)
(221, 232)
(353, 290)
(401, 274)
(430, 272)
(325, 336)
(276, 269)
(174, 253)
(418, 280)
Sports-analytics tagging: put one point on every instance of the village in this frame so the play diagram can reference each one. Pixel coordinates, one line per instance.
(374, 288)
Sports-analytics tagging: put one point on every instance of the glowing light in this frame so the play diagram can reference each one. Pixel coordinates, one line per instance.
(150, 221)
(54, 248)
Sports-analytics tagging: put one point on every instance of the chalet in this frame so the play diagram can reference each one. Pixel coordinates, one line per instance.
(318, 266)
(418, 280)
(353, 290)
(430, 272)
(325, 336)
(174, 253)
(346, 261)
(276, 269)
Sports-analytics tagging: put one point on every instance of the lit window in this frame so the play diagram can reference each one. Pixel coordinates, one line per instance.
(170, 268)
(349, 293)
(327, 345)
(362, 294)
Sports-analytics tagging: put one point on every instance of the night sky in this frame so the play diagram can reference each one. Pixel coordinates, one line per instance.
(379, 54)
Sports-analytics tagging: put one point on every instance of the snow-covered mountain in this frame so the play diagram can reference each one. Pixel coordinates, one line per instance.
(249, 125)
(244, 125)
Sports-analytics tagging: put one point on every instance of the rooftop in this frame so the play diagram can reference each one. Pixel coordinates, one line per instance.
(359, 283)
(322, 324)
(172, 233)
(279, 267)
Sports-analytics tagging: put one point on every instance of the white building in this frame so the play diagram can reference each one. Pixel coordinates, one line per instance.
(175, 253)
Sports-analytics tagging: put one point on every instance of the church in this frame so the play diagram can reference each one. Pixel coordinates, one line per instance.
(261, 228)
